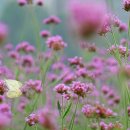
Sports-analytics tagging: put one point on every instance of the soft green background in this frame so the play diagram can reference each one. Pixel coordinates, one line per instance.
(25, 24)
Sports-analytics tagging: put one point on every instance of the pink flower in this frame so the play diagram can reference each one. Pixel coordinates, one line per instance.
(106, 25)
(3, 88)
(52, 20)
(4, 121)
(88, 110)
(25, 47)
(35, 85)
(87, 17)
(45, 34)
(3, 32)
(61, 88)
(47, 119)
(123, 27)
(105, 89)
(56, 43)
(79, 88)
(127, 5)
(39, 2)
(123, 41)
(27, 61)
(116, 21)
(76, 61)
(9, 46)
(22, 2)
(14, 55)
(32, 119)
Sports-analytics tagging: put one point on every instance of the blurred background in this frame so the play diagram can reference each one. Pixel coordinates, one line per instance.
(25, 23)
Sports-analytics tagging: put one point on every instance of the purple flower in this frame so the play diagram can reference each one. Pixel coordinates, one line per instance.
(87, 17)
(45, 34)
(47, 119)
(56, 43)
(126, 5)
(32, 119)
(22, 2)
(61, 88)
(52, 20)
(39, 2)
(3, 32)
(79, 88)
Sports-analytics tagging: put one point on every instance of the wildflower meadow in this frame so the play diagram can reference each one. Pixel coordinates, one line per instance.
(65, 65)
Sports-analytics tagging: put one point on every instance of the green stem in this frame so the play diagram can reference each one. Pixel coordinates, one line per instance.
(62, 120)
(73, 117)
(129, 27)
(33, 107)
(114, 38)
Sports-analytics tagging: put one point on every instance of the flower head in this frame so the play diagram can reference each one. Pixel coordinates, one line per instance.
(127, 5)
(56, 43)
(52, 20)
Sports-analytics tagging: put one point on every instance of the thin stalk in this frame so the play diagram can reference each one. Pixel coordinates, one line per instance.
(129, 28)
(62, 120)
(33, 107)
(114, 38)
(73, 117)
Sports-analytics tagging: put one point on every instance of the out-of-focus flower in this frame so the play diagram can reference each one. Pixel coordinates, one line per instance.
(122, 27)
(22, 2)
(123, 41)
(110, 126)
(78, 61)
(32, 119)
(116, 22)
(81, 89)
(97, 111)
(2, 98)
(4, 121)
(61, 88)
(88, 110)
(56, 43)
(22, 104)
(6, 72)
(25, 47)
(52, 20)
(35, 85)
(14, 55)
(27, 61)
(6, 110)
(106, 25)
(3, 88)
(9, 46)
(47, 119)
(3, 32)
(120, 48)
(88, 17)
(39, 2)
(126, 5)
(45, 34)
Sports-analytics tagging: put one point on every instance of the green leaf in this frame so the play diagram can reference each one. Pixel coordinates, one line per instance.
(59, 107)
(67, 110)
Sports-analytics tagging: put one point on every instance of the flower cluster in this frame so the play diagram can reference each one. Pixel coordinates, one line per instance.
(35, 85)
(97, 111)
(56, 43)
